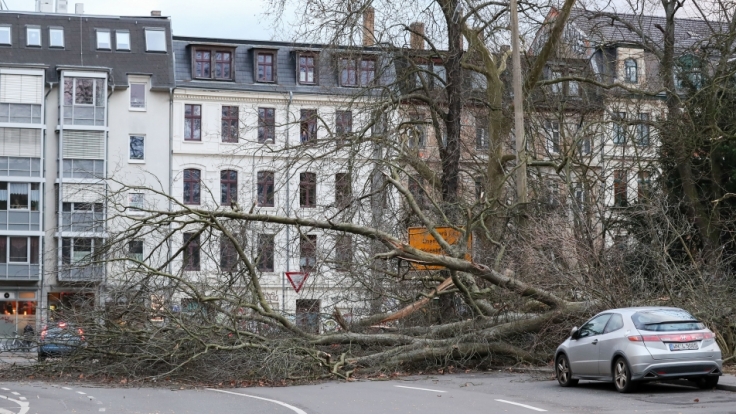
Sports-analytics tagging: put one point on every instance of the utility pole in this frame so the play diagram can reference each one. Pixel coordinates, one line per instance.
(521, 191)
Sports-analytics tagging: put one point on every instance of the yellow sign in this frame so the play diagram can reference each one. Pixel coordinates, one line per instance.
(421, 239)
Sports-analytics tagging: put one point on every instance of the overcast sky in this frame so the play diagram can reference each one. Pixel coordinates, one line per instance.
(237, 19)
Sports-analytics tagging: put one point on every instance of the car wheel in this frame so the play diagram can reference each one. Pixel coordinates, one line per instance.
(622, 376)
(706, 383)
(563, 372)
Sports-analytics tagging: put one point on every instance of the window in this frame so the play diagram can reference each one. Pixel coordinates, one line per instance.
(645, 186)
(594, 327)
(230, 124)
(135, 250)
(265, 66)
(642, 130)
(5, 38)
(266, 125)
(191, 251)
(416, 133)
(343, 125)
(212, 64)
(191, 186)
(122, 40)
(614, 324)
(103, 39)
(619, 128)
(481, 133)
(192, 122)
(266, 196)
(228, 255)
(581, 197)
(585, 144)
(228, 187)
(78, 250)
(344, 253)
(556, 87)
(357, 71)
(308, 126)
(136, 202)
(630, 71)
(307, 69)
(20, 196)
(137, 148)
(478, 188)
(137, 96)
(155, 40)
(307, 316)
(308, 253)
(416, 190)
(33, 36)
(343, 190)
(264, 263)
(19, 249)
(307, 190)
(620, 197)
(56, 37)
(84, 101)
(573, 88)
(553, 136)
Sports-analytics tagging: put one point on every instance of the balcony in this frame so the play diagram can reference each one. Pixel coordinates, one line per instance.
(20, 220)
(20, 272)
(82, 221)
(89, 273)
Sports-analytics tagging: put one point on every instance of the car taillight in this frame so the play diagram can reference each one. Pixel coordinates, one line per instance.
(672, 337)
(62, 325)
(43, 333)
(81, 333)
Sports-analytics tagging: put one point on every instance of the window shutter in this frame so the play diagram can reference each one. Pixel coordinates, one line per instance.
(20, 142)
(82, 193)
(26, 89)
(86, 145)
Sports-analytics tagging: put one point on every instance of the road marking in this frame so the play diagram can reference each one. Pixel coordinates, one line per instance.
(102, 410)
(80, 392)
(5, 389)
(291, 407)
(522, 405)
(4, 411)
(67, 388)
(15, 392)
(22, 398)
(420, 389)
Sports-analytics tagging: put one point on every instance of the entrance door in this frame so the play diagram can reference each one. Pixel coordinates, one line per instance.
(307, 315)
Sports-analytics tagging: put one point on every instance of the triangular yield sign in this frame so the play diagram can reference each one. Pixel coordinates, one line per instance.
(297, 279)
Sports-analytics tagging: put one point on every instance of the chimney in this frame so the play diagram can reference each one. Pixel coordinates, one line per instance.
(79, 8)
(155, 13)
(417, 36)
(62, 6)
(369, 15)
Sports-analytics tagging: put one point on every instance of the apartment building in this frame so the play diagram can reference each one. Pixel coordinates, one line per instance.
(85, 101)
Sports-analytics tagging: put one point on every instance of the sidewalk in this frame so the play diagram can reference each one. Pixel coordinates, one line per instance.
(18, 358)
(727, 382)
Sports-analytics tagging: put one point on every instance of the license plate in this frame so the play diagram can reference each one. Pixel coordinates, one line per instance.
(686, 346)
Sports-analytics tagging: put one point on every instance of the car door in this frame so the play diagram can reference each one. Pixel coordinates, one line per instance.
(608, 342)
(583, 349)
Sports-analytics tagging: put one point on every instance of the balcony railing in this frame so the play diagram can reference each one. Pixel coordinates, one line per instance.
(13, 271)
(90, 273)
(20, 220)
(86, 222)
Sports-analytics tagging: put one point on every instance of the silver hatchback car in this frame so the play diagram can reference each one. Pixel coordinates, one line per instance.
(631, 345)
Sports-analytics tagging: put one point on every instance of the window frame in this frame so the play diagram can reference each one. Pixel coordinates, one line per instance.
(307, 189)
(191, 119)
(228, 187)
(213, 63)
(230, 124)
(153, 30)
(620, 188)
(266, 252)
(135, 207)
(643, 131)
(274, 65)
(33, 256)
(552, 127)
(343, 190)
(117, 40)
(9, 28)
(308, 126)
(191, 249)
(307, 246)
(51, 37)
(38, 31)
(195, 197)
(315, 67)
(265, 181)
(343, 126)
(619, 128)
(265, 127)
(131, 253)
(130, 149)
(29, 205)
(348, 65)
(98, 32)
(130, 96)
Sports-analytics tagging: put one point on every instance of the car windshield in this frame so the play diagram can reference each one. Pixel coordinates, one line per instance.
(666, 320)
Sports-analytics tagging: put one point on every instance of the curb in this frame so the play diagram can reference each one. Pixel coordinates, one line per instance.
(725, 387)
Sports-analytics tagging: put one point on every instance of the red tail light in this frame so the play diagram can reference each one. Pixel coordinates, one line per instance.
(62, 325)
(43, 333)
(81, 333)
(672, 337)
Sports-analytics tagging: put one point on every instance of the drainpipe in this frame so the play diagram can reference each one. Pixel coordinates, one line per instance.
(42, 301)
(171, 166)
(288, 210)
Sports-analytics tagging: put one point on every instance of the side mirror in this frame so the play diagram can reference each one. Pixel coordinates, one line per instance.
(574, 332)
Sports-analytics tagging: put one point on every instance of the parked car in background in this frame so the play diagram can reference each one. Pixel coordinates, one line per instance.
(59, 339)
(632, 345)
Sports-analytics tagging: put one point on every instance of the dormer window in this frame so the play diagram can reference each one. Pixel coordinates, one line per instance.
(631, 71)
(211, 63)
(357, 71)
(265, 68)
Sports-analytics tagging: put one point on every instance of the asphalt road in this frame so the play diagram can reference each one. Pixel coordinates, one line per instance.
(446, 394)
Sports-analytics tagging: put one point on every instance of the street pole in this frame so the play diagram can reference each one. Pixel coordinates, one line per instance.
(521, 191)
